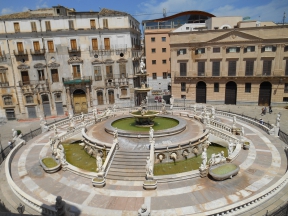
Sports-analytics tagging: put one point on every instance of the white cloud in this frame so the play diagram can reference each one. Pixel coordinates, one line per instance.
(6, 11)
(25, 9)
(41, 4)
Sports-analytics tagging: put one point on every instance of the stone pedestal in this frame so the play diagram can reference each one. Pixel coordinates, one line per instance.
(150, 184)
(203, 172)
(98, 182)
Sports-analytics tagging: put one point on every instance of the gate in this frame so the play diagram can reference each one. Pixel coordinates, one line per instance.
(59, 108)
(10, 114)
(111, 96)
(31, 112)
(230, 93)
(265, 94)
(201, 92)
(46, 109)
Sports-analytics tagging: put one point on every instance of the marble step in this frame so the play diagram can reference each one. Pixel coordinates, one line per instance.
(130, 166)
(127, 172)
(125, 178)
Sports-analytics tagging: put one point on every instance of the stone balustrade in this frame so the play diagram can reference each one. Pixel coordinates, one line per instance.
(221, 125)
(223, 135)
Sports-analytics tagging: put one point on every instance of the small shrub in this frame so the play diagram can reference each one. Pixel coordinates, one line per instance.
(18, 132)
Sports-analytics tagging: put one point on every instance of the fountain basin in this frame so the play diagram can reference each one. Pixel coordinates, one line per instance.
(224, 171)
(144, 118)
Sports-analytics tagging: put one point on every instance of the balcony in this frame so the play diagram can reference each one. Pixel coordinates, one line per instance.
(3, 57)
(116, 80)
(101, 51)
(4, 84)
(120, 48)
(75, 81)
(34, 86)
(37, 52)
(74, 49)
(20, 53)
(136, 47)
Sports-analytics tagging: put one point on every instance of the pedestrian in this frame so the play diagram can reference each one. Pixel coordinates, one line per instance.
(261, 121)
(10, 144)
(265, 110)
(270, 109)
(262, 112)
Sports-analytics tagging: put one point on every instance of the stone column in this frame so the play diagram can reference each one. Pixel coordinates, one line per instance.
(222, 72)
(240, 67)
(258, 60)
(278, 60)
(192, 61)
(88, 95)
(69, 107)
(208, 71)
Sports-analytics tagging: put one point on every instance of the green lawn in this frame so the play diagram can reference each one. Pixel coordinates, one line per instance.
(77, 156)
(49, 162)
(161, 123)
(186, 165)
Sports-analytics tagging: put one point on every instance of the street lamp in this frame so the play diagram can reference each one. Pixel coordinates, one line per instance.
(184, 101)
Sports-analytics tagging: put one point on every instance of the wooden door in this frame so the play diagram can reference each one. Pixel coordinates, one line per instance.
(100, 98)
(36, 46)
(92, 24)
(109, 72)
(95, 44)
(50, 46)
(265, 94)
(20, 47)
(73, 44)
(25, 77)
(111, 97)
(107, 43)
(230, 93)
(76, 72)
(201, 92)
(80, 103)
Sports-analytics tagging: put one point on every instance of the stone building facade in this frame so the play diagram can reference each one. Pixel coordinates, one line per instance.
(245, 63)
(57, 60)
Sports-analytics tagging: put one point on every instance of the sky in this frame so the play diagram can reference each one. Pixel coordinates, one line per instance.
(263, 10)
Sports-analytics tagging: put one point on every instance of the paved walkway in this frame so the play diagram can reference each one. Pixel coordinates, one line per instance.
(260, 167)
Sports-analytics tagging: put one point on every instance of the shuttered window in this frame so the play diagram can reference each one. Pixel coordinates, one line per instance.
(16, 27)
(36, 46)
(124, 92)
(97, 73)
(20, 47)
(109, 71)
(201, 68)
(54, 74)
(105, 23)
(249, 68)
(216, 68)
(107, 43)
(232, 68)
(47, 25)
(33, 27)
(267, 68)
(216, 49)
(95, 44)
(3, 78)
(71, 24)
(183, 86)
(183, 69)
(286, 69)
(248, 87)
(73, 44)
(92, 24)
(122, 69)
(50, 46)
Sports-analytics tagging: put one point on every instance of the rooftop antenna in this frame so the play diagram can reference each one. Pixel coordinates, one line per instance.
(164, 12)
(284, 16)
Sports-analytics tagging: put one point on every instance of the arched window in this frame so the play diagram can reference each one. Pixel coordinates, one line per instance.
(29, 99)
(7, 100)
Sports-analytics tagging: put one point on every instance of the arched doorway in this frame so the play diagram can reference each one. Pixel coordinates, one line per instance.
(80, 101)
(265, 94)
(201, 92)
(111, 96)
(231, 93)
(100, 98)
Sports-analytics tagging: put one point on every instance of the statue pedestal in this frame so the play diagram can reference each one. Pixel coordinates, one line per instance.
(203, 172)
(276, 132)
(98, 182)
(150, 184)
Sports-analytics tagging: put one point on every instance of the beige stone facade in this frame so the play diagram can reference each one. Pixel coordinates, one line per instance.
(243, 66)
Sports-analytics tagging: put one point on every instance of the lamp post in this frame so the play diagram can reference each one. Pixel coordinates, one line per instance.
(184, 102)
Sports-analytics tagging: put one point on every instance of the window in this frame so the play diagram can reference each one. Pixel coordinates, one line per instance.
(54, 75)
(29, 99)
(200, 50)
(3, 79)
(232, 49)
(181, 52)
(109, 71)
(248, 87)
(164, 75)
(7, 100)
(232, 68)
(41, 75)
(216, 49)
(169, 75)
(33, 27)
(100, 98)
(216, 68)
(122, 69)
(286, 49)
(94, 44)
(268, 48)
(153, 39)
(71, 24)
(107, 43)
(286, 88)
(76, 71)
(183, 86)
(183, 69)
(153, 61)
(20, 47)
(164, 50)
(25, 77)
(154, 75)
(73, 44)
(153, 50)
(105, 23)
(216, 87)
(183, 96)
(285, 99)
(249, 68)
(47, 25)
(163, 39)
(124, 92)
(45, 98)
(201, 68)
(50, 46)
(97, 73)
(57, 97)
(286, 68)
(250, 49)
(164, 61)
(267, 68)
(92, 24)
(16, 27)
(36, 46)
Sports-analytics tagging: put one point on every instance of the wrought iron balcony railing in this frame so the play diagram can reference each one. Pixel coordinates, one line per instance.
(74, 49)
(37, 52)
(20, 53)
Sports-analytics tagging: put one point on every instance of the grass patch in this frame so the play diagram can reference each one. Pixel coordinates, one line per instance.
(49, 162)
(77, 156)
(186, 165)
(161, 123)
(224, 169)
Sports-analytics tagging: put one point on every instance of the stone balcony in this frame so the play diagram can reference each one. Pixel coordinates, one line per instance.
(37, 52)
(20, 53)
(3, 57)
(34, 86)
(74, 50)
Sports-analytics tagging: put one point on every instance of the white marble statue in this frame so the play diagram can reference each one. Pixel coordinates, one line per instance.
(195, 108)
(171, 102)
(213, 112)
(278, 120)
(55, 129)
(204, 159)
(94, 111)
(115, 134)
(82, 117)
(70, 116)
(234, 121)
(99, 162)
(43, 125)
(61, 153)
(114, 108)
(14, 135)
(173, 156)
(142, 66)
(230, 147)
(217, 158)
(163, 106)
(149, 167)
(51, 143)
(151, 133)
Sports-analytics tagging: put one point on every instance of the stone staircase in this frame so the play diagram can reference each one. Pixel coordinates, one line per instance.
(128, 166)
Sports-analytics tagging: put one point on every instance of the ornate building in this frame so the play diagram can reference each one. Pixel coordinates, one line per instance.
(57, 60)
(240, 62)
